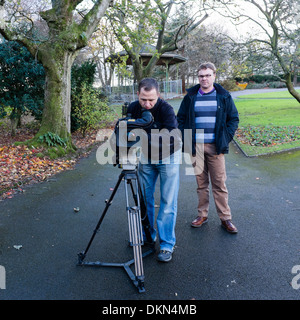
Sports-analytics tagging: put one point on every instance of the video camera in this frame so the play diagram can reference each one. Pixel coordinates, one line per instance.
(127, 136)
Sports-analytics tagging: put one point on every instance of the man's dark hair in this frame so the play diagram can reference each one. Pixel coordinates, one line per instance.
(148, 84)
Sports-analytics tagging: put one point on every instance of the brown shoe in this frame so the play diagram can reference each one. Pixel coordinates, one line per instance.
(229, 226)
(198, 222)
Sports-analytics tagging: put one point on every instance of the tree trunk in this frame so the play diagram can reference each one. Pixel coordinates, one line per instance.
(57, 107)
(291, 88)
(137, 70)
(15, 121)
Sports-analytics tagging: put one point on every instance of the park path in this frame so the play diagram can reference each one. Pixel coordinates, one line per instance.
(236, 94)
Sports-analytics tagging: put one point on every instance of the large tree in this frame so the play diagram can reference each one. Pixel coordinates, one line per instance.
(278, 33)
(139, 23)
(53, 34)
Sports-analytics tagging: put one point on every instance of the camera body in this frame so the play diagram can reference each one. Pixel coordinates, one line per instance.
(129, 135)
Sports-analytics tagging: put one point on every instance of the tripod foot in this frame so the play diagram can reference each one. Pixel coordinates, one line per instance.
(81, 257)
(140, 285)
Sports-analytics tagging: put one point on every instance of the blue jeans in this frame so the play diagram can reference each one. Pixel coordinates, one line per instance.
(169, 186)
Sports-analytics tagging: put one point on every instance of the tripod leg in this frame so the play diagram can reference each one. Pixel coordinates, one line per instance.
(144, 215)
(136, 239)
(140, 202)
(137, 203)
(82, 255)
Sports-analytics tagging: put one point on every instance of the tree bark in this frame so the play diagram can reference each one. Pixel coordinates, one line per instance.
(291, 88)
(57, 106)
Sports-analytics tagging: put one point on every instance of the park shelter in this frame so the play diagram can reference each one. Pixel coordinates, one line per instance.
(166, 60)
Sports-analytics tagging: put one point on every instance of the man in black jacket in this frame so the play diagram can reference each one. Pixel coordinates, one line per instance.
(161, 160)
(209, 112)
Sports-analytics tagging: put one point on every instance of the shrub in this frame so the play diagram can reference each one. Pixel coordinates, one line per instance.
(22, 81)
(230, 85)
(256, 85)
(277, 84)
(261, 78)
(90, 110)
(83, 74)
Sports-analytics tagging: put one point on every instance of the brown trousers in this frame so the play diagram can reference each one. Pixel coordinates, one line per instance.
(208, 166)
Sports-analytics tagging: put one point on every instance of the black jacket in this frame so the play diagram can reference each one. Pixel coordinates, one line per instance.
(163, 114)
(164, 118)
(227, 118)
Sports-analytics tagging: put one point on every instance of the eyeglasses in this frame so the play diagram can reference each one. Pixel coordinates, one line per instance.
(204, 76)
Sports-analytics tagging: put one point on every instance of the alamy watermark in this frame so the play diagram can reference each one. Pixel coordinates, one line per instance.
(296, 280)
(2, 278)
(160, 146)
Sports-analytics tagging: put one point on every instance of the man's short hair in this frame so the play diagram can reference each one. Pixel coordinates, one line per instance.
(207, 65)
(148, 84)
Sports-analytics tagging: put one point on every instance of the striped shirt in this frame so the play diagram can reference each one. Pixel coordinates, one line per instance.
(205, 117)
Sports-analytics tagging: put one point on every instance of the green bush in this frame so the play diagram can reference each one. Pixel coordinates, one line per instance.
(22, 81)
(256, 85)
(81, 74)
(262, 78)
(277, 84)
(90, 111)
(230, 85)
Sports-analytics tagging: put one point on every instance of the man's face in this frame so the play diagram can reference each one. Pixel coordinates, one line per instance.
(147, 99)
(206, 79)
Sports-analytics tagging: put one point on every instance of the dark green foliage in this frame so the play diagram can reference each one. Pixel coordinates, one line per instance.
(22, 81)
(84, 73)
(258, 78)
(90, 109)
(81, 74)
(52, 139)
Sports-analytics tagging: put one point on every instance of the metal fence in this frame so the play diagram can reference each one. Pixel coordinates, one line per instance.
(168, 90)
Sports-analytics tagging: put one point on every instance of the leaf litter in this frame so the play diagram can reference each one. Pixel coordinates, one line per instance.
(21, 165)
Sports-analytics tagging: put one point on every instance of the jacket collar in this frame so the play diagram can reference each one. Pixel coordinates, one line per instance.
(219, 89)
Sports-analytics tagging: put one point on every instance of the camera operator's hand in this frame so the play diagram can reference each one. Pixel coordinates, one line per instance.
(144, 122)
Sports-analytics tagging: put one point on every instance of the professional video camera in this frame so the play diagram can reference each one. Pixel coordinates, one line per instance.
(129, 133)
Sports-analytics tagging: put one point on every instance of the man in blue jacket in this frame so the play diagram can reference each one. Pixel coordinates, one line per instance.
(162, 161)
(208, 110)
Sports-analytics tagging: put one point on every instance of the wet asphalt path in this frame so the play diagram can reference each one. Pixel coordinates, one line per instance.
(208, 263)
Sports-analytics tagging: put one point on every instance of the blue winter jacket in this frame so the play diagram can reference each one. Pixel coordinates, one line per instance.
(227, 118)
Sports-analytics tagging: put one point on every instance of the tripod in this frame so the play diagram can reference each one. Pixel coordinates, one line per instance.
(137, 217)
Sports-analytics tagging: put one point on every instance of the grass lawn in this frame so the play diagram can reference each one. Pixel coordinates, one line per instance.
(269, 95)
(263, 112)
(269, 122)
